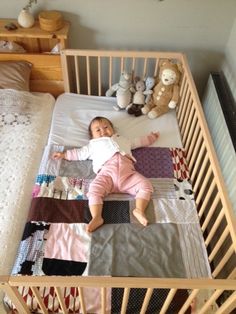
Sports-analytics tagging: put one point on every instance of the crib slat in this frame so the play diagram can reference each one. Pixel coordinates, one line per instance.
(186, 117)
(188, 125)
(210, 213)
(191, 131)
(156, 68)
(16, 298)
(133, 65)
(77, 78)
(121, 64)
(195, 152)
(181, 112)
(110, 71)
(228, 306)
(207, 198)
(214, 227)
(213, 206)
(223, 261)
(146, 300)
(189, 300)
(201, 174)
(39, 300)
(61, 300)
(232, 275)
(88, 75)
(168, 300)
(145, 67)
(185, 108)
(81, 300)
(64, 63)
(103, 300)
(197, 162)
(181, 106)
(183, 84)
(219, 244)
(125, 300)
(193, 142)
(211, 300)
(99, 77)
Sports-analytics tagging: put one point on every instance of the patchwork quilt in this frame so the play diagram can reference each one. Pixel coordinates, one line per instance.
(55, 241)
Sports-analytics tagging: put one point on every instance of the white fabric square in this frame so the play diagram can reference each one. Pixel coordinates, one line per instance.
(175, 211)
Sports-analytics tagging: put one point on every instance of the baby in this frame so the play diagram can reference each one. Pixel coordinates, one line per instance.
(113, 164)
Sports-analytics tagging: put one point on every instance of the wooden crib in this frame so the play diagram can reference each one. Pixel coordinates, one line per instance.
(91, 72)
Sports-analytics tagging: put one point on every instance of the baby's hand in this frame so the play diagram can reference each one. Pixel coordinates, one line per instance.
(58, 155)
(155, 134)
(152, 137)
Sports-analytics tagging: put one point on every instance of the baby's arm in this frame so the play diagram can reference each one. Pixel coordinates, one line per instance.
(58, 155)
(73, 154)
(145, 140)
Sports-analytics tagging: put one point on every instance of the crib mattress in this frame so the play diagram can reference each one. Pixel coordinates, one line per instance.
(73, 113)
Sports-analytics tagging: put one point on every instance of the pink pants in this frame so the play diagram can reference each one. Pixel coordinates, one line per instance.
(118, 175)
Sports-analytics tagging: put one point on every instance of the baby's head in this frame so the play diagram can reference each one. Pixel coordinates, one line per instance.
(100, 127)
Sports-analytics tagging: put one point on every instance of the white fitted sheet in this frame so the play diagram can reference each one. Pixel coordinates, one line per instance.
(73, 113)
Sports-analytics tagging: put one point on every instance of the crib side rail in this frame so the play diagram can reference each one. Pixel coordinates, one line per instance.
(92, 72)
(198, 289)
(215, 211)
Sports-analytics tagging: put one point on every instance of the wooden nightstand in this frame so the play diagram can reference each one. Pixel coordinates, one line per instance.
(34, 39)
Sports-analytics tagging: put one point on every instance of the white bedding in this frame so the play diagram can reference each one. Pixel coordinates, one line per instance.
(73, 113)
(24, 124)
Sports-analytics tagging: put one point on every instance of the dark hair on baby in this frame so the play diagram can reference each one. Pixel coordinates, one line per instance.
(99, 119)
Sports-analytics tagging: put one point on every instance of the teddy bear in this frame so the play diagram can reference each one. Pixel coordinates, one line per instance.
(124, 89)
(166, 92)
(142, 94)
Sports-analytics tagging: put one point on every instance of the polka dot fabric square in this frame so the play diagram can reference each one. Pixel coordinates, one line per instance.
(154, 162)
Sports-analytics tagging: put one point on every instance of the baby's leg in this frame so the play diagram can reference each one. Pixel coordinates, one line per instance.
(139, 211)
(134, 183)
(143, 189)
(99, 188)
(97, 220)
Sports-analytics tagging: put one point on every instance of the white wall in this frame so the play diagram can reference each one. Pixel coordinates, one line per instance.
(229, 63)
(200, 28)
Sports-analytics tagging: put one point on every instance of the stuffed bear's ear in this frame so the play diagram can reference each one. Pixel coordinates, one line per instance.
(136, 79)
(180, 67)
(163, 62)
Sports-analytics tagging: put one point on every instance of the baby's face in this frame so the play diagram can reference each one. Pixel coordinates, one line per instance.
(101, 128)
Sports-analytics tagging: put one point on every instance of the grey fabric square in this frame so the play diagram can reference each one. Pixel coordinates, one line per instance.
(134, 250)
(79, 169)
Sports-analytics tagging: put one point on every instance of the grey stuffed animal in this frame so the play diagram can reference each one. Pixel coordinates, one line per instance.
(124, 89)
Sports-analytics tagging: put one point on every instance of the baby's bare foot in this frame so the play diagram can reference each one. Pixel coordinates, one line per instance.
(140, 216)
(94, 224)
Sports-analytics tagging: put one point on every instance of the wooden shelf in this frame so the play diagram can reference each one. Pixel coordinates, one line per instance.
(34, 39)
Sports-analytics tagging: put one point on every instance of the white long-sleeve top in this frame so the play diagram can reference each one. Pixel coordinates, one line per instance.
(101, 149)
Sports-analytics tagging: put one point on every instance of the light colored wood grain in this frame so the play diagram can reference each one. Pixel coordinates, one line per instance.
(34, 39)
(46, 75)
